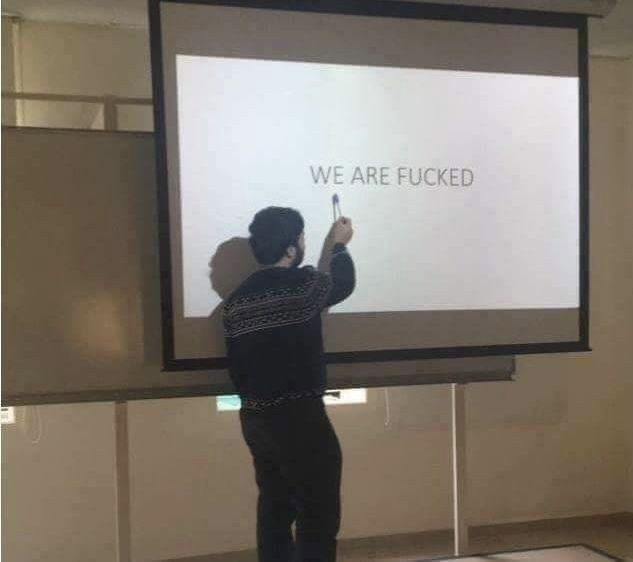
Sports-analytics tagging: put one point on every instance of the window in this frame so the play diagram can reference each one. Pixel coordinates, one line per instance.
(231, 402)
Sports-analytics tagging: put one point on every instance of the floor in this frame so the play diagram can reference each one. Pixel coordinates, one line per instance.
(613, 537)
(578, 553)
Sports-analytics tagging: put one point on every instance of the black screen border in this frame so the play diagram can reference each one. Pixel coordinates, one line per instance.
(395, 9)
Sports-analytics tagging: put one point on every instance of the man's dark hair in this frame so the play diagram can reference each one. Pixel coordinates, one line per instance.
(274, 229)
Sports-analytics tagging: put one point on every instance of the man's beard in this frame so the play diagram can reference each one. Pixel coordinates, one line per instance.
(296, 262)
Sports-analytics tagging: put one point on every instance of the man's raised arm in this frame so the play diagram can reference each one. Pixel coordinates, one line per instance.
(343, 276)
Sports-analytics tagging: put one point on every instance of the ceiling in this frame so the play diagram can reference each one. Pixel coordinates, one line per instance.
(611, 36)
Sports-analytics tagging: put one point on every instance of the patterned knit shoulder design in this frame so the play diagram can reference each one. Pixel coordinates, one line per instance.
(277, 307)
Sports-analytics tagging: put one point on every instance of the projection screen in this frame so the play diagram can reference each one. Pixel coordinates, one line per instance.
(454, 137)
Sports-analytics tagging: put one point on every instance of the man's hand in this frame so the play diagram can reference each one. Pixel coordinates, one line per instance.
(342, 231)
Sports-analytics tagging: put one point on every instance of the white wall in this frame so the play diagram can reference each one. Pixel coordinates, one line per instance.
(557, 442)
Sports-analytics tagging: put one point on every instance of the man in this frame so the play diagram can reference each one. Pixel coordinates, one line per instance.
(275, 349)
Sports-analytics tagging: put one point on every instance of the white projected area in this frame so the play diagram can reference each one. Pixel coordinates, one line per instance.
(462, 186)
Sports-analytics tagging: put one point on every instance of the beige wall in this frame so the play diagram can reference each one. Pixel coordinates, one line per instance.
(57, 486)
(630, 234)
(8, 71)
(558, 441)
(80, 59)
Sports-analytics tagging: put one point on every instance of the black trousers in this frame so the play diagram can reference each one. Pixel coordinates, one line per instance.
(297, 460)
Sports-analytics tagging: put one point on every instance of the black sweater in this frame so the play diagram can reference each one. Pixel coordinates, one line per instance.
(272, 325)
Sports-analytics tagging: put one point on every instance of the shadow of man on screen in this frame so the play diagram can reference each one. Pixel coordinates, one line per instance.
(231, 264)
